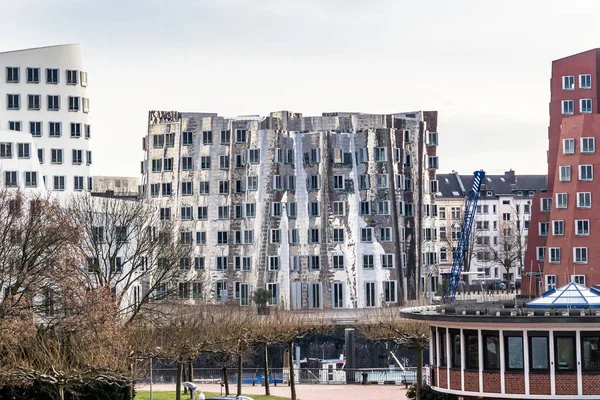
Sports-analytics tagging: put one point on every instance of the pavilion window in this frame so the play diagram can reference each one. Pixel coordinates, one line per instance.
(443, 353)
(491, 351)
(590, 351)
(455, 343)
(564, 351)
(513, 351)
(538, 351)
(471, 349)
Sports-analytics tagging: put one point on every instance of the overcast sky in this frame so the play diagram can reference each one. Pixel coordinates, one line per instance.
(484, 65)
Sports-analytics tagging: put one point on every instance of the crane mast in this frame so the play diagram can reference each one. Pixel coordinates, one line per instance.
(462, 246)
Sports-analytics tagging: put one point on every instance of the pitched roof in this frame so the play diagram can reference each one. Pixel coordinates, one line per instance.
(455, 185)
(571, 295)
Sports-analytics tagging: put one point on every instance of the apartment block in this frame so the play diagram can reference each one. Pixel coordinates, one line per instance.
(560, 248)
(498, 239)
(43, 98)
(324, 211)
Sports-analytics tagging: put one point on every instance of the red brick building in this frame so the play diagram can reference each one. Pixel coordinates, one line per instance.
(563, 225)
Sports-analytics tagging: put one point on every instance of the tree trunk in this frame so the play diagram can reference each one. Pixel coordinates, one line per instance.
(239, 372)
(419, 373)
(178, 382)
(191, 372)
(292, 379)
(184, 376)
(226, 380)
(61, 392)
(266, 371)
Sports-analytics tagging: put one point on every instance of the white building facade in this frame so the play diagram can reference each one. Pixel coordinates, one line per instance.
(499, 234)
(324, 212)
(43, 96)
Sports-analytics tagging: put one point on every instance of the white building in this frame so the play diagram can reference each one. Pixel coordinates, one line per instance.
(42, 95)
(500, 229)
(19, 166)
(324, 212)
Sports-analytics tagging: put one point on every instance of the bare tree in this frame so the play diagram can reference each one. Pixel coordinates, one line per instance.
(131, 251)
(35, 234)
(386, 324)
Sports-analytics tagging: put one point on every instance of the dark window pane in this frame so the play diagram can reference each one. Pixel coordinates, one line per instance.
(539, 352)
(515, 352)
(443, 348)
(565, 353)
(491, 359)
(590, 346)
(456, 350)
(472, 349)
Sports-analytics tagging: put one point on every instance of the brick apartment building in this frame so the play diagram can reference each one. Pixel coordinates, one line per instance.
(564, 227)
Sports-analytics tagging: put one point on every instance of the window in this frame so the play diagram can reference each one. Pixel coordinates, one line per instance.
(385, 234)
(205, 162)
(273, 288)
(338, 262)
(273, 263)
(165, 213)
(222, 263)
(389, 291)
(202, 213)
(514, 356)
(12, 74)
(588, 145)
(443, 344)
(167, 189)
(580, 255)
(55, 129)
(225, 137)
(382, 181)
(540, 253)
(314, 182)
(23, 150)
(506, 216)
(433, 162)
(550, 282)
(224, 162)
(243, 263)
(313, 209)
(223, 187)
(368, 261)
(207, 137)
(444, 254)
(565, 173)
(75, 130)
(590, 351)
(13, 101)
(222, 237)
(84, 78)
(78, 182)
(538, 354)
(252, 183)
(584, 199)
(582, 227)
(362, 155)
(558, 228)
(187, 188)
(364, 182)
(370, 294)
(387, 261)
(154, 189)
(567, 107)
(471, 349)
(59, 183)
(338, 182)
(568, 146)
(275, 236)
(314, 235)
(586, 173)
(186, 213)
(554, 255)
(337, 295)
(85, 104)
(314, 295)
(10, 178)
(33, 101)
(200, 238)
(168, 164)
(52, 75)
(546, 204)
(366, 235)
(294, 236)
(568, 82)
(585, 81)
(35, 128)
(185, 263)
(338, 208)
(240, 136)
(72, 76)
(221, 290)
(186, 164)
(455, 349)
(276, 209)
(57, 156)
(77, 157)
(31, 179)
(88, 157)
(314, 262)
(73, 103)
(365, 208)
(585, 106)
(254, 156)
(250, 210)
(277, 182)
(380, 154)
(187, 138)
(156, 165)
(53, 103)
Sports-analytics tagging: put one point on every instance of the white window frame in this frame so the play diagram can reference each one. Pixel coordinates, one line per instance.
(578, 279)
(338, 208)
(554, 255)
(582, 257)
(568, 82)
(582, 232)
(569, 146)
(567, 107)
(558, 228)
(584, 195)
(584, 85)
(586, 172)
(550, 281)
(565, 173)
(587, 145)
(544, 200)
(562, 200)
(583, 106)
(540, 253)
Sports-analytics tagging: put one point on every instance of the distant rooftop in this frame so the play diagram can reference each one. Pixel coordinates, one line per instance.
(454, 185)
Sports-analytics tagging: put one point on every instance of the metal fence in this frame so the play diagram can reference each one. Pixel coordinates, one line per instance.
(281, 376)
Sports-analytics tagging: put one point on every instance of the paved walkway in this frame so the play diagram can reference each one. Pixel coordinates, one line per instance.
(309, 392)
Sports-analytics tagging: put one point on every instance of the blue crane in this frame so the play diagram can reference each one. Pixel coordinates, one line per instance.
(462, 246)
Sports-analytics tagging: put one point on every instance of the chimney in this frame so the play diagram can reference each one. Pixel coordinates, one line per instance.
(511, 177)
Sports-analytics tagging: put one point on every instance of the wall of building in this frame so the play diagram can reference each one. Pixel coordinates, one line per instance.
(63, 58)
(400, 136)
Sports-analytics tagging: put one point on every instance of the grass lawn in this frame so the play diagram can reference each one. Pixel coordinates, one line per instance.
(145, 395)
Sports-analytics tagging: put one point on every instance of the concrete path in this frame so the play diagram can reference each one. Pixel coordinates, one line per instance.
(310, 392)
